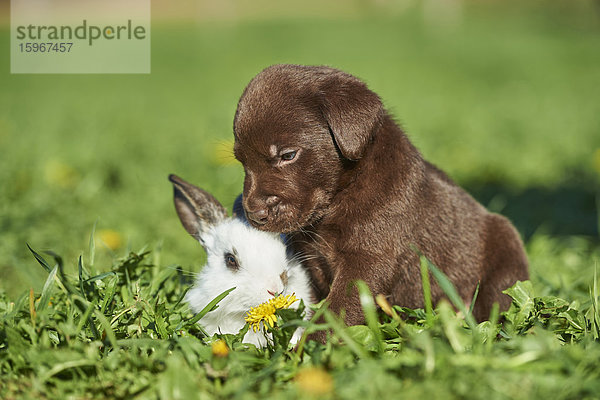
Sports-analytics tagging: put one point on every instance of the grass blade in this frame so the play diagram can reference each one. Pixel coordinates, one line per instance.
(474, 299)
(40, 259)
(368, 306)
(85, 317)
(159, 280)
(181, 297)
(494, 318)
(47, 290)
(100, 276)
(310, 329)
(160, 322)
(595, 307)
(80, 272)
(110, 334)
(32, 313)
(209, 307)
(338, 328)
(57, 368)
(426, 289)
(110, 294)
(450, 291)
(93, 245)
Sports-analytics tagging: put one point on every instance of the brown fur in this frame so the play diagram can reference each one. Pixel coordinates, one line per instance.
(358, 194)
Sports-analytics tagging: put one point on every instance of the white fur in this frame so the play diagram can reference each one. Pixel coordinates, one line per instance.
(262, 259)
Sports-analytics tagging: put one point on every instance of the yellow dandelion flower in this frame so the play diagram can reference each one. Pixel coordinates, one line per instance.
(596, 160)
(281, 301)
(314, 381)
(112, 239)
(219, 348)
(59, 174)
(265, 312)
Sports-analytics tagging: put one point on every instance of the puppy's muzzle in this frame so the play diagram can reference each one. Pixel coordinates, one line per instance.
(260, 215)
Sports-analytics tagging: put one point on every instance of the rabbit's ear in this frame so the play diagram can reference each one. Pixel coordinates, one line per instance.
(198, 210)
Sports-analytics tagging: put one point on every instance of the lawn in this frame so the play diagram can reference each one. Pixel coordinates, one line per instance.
(505, 99)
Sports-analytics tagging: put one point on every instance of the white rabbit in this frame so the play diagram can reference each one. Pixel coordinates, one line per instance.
(252, 261)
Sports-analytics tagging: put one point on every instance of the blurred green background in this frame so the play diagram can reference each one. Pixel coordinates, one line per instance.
(503, 95)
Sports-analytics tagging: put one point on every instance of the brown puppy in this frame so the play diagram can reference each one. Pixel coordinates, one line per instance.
(327, 165)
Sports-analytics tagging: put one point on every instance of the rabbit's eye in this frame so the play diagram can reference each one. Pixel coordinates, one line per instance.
(231, 261)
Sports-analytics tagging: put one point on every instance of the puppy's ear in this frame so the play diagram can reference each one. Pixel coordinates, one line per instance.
(197, 209)
(353, 113)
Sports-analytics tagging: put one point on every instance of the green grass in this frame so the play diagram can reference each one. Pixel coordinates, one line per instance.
(506, 102)
(126, 333)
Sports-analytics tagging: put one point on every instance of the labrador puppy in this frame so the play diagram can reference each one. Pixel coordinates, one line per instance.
(328, 166)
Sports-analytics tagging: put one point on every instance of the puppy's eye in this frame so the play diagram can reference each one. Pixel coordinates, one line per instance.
(289, 155)
(231, 262)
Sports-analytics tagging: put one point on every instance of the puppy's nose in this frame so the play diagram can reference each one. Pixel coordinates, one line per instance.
(259, 216)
